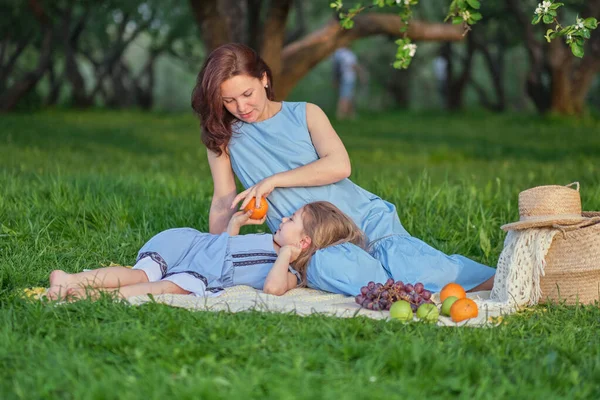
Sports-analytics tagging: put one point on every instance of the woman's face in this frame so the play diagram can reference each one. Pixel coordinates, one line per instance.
(245, 97)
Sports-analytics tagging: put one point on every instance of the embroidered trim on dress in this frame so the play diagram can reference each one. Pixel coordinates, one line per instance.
(193, 273)
(157, 259)
(253, 262)
(269, 254)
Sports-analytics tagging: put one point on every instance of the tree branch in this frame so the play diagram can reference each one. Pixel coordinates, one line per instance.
(299, 57)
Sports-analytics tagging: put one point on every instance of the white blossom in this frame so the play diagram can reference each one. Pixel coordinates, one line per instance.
(580, 23)
(412, 49)
(407, 2)
(569, 37)
(543, 7)
(466, 15)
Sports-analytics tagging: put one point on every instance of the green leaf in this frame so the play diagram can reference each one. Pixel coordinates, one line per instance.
(474, 3)
(590, 23)
(548, 19)
(536, 19)
(457, 20)
(349, 24)
(556, 6)
(586, 33)
(566, 30)
(576, 49)
(550, 34)
(476, 16)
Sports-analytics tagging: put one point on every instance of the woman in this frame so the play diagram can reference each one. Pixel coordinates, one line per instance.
(290, 154)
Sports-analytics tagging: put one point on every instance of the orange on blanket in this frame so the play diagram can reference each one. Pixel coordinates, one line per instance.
(452, 289)
(463, 309)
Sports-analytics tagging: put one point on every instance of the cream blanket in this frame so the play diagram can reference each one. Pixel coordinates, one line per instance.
(297, 301)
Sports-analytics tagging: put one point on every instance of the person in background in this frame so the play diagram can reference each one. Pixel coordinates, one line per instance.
(346, 70)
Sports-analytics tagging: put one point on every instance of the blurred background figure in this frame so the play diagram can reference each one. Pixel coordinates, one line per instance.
(346, 70)
(440, 69)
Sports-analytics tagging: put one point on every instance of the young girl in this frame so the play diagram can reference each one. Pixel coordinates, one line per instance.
(183, 261)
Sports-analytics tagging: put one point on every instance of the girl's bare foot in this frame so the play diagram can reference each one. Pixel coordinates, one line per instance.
(59, 285)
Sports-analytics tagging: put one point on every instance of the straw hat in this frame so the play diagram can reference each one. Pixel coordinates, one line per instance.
(547, 206)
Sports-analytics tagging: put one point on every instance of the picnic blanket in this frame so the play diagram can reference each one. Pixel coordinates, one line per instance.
(301, 301)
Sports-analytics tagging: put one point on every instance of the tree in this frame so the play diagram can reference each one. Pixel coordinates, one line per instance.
(220, 23)
(36, 31)
(558, 81)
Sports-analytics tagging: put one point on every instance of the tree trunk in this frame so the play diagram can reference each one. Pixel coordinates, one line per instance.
(70, 38)
(254, 35)
(213, 26)
(495, 63)
(274, 36)
(10, 97)
(55, 86)
(455, 86)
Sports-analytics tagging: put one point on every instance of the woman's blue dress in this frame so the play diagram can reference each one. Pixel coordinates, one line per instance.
(282, 143)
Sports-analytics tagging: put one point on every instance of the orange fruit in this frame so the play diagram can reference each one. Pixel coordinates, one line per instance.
(463, 309)
(257, 212)
(452, 289)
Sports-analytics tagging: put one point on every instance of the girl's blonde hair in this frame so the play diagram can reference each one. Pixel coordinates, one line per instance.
(326, 225)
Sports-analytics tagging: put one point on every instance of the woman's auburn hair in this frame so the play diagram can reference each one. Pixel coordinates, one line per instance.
(223, 63)
(326, 225)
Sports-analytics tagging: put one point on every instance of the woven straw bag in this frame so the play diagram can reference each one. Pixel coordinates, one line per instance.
(572, 271)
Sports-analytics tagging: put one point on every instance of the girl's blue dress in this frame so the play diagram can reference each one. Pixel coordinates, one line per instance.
(204, 264)
(282, 143)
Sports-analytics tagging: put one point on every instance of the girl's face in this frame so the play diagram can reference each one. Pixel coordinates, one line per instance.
(291, 231)
(245, 97)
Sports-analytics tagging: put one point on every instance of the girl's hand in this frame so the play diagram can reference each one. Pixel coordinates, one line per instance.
(292, 250)
(261, 189)
(240, 219)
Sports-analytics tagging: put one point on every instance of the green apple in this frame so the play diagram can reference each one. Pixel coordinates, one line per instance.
(401, 310)
(447, 304)
(428, 312)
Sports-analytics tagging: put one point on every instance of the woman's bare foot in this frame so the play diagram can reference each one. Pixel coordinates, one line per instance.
(59, 285)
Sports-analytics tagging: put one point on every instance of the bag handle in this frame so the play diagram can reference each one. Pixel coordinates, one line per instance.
(573, 183)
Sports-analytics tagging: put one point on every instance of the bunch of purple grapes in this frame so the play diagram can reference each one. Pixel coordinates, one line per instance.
(381, 296)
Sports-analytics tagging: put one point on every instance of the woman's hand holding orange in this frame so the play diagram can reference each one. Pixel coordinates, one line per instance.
(258, 191)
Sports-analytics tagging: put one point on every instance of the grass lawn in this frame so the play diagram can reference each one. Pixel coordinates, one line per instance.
(84, 189)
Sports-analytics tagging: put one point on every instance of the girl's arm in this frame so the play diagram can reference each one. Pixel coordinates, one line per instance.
(332, 166)
(280, 279)
(224, 191)
(240, 219)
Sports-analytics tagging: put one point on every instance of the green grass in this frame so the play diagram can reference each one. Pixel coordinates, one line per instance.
(83, 189)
